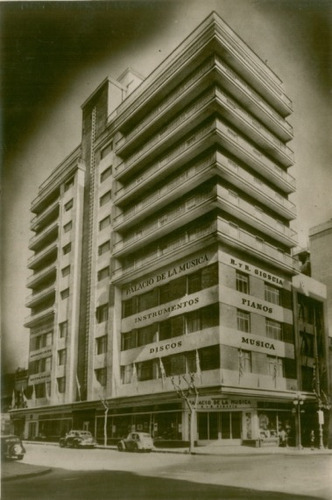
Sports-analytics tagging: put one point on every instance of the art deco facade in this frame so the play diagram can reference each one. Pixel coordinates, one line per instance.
(162, 248)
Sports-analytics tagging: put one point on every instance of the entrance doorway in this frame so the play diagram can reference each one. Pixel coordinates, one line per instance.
(224, 425)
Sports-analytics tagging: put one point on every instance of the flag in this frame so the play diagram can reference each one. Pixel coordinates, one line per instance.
(78, 385)
(47, 392)
(275, 370)
(240, 364)
(13, 403)
(198, 366)
(24, 399)
(33, 395)
(134, 379)
(162, 370)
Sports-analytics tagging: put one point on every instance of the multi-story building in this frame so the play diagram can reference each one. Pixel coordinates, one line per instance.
(162, 257)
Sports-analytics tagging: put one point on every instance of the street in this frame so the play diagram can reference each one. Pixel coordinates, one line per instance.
(108, 474)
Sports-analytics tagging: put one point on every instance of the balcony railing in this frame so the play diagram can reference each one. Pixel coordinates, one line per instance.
(39, 218)
(34, 298)
(33, 319)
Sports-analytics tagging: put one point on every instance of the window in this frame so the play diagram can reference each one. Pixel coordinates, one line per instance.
(104, 223)
(63, 329)
(101, 345)
(175, 365)
(101, 376)
(61, 381)
(128, 307)
(209, 358)
(106, 150)
(145, 370)
(173, 290)
(102, 313)
(272, 294)
(48, 364)
(246, 361)
(210, 316)
(194, 282)
(69, 184)
(193, 321)
(273, 329)
(172, 327)
(147, 300)
(67, 227)
(65, 293)
(146, 335)
(126, 374)
(62, 357)
(66, 249)
(243, 321)
(106, 174)
(275, 366)
(69, 205)
(103, 273)
(307, 344)
(105, 247)
(242, 282)
(65, 271)
(129, 340)
(105, 198)
(40, 390)
(210, 276)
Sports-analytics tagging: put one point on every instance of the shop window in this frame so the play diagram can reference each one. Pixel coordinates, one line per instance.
(272, 294)
(209, 357)
(242, 282)
(69, 205)
(243, 321)
(145, 370)
(61, 382)
(66, 249)
(273, 329)
(104, 223)
(129, 340)
(102, 313)
(62, 357)
(106, 174)
(101, 376)
(103, 273)
(101, 344)
(105, 198)
(104, 248)
(64, 294)
(63, 329)
(147, 300)
(146, 335)
(65, 271)
(172, 327)
(67, 227)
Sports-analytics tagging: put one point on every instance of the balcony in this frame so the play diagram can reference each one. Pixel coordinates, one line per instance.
(180, 215)
(35, 298)
(234, 236)
(167, 251)
(34, 319)
(230, 202)
(46, 253)
(46, 235)
(46, 274)
(44, 217)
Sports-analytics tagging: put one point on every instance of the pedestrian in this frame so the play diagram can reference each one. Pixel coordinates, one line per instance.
(312, 439)
(282, 438)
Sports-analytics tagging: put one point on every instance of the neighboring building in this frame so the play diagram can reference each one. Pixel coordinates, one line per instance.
(162, 248)
(13, 387)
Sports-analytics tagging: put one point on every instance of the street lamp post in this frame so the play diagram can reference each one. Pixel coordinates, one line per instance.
(298, 402)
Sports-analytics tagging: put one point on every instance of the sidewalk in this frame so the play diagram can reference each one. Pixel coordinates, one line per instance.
(17, 470)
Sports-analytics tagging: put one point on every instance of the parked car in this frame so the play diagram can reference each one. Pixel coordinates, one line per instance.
(77, 439)
(136, 441)
(11, 448)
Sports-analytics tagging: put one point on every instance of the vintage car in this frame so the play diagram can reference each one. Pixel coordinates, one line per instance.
(77, 439)
(136, 441)
(11, 448)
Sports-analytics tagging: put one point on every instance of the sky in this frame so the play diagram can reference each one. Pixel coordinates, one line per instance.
(54, 55)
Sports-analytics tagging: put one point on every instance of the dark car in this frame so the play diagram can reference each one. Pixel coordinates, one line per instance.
(78, 439)
(11, 448)
(136, 441)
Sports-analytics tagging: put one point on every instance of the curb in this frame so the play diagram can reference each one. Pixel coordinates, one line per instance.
(25, 476)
